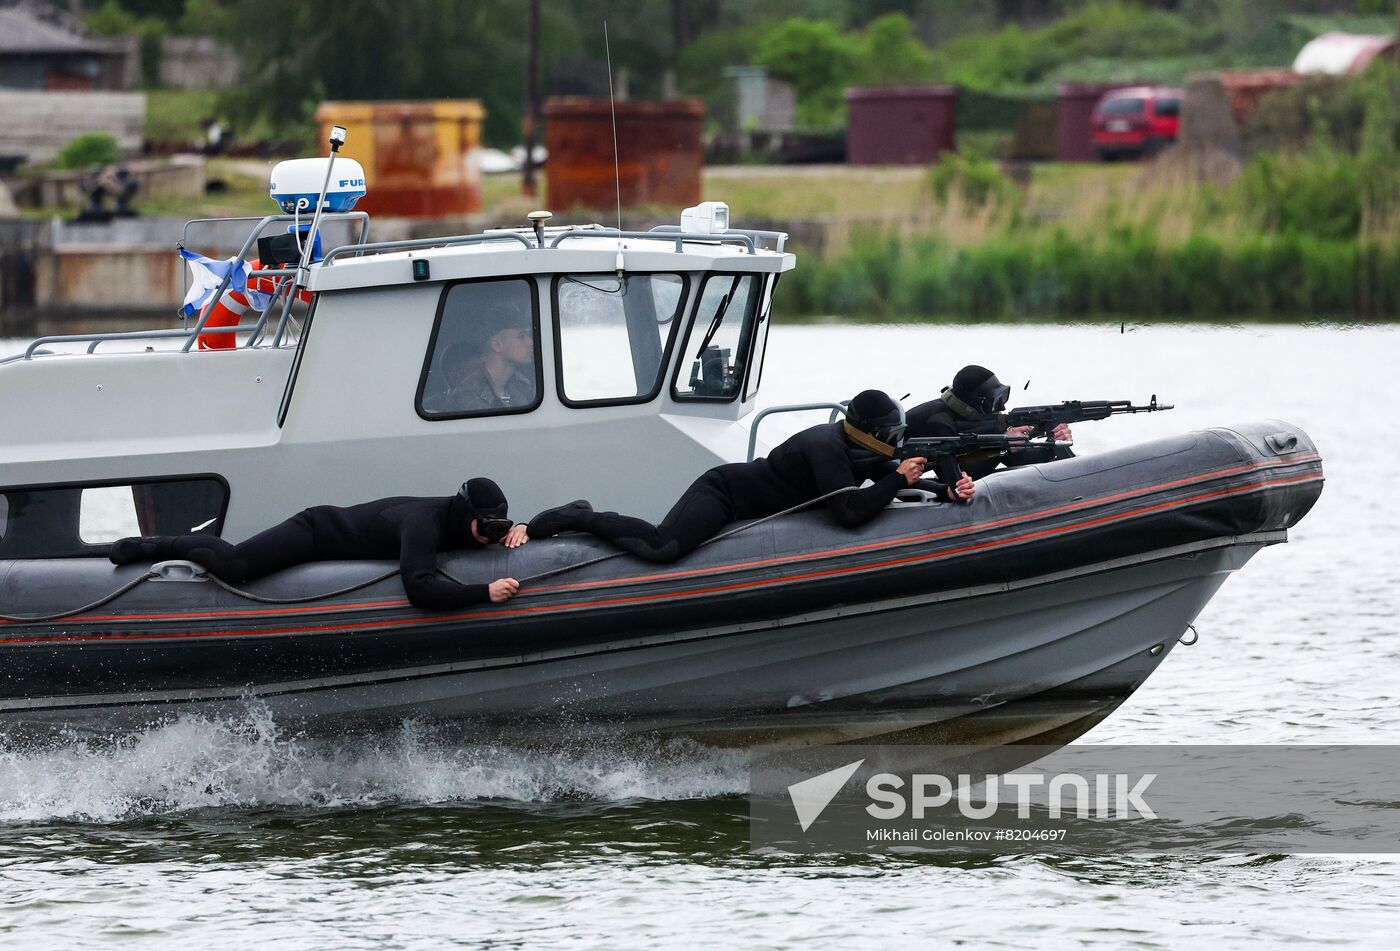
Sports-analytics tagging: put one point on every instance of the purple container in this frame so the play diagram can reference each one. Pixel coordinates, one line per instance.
(899, 125)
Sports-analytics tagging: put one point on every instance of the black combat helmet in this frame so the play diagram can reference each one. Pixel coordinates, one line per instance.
(877, 414)
(979, 389)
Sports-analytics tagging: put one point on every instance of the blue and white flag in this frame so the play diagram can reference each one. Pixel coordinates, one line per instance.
(206, 275)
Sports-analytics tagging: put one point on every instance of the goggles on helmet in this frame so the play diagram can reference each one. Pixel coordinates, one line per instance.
(990, 396)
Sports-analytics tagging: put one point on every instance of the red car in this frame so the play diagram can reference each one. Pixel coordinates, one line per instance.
(1136, 121)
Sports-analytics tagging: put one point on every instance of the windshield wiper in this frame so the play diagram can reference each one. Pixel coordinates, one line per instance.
(719, 316)
(621, 287)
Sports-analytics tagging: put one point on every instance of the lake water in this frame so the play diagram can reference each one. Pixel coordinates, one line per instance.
(232, 834)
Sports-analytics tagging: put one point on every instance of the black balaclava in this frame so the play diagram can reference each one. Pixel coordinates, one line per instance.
(484, 498)
(479, 499)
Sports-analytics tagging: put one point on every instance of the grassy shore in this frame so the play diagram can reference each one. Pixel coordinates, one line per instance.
(1311, 236)
(1056, 276)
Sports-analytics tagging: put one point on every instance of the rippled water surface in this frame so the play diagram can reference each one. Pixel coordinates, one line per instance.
(233, 834)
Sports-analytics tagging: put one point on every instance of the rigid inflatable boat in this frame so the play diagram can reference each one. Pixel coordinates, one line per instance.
(1026, 615)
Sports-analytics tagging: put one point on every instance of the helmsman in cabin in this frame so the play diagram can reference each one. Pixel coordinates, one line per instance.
(492, 370)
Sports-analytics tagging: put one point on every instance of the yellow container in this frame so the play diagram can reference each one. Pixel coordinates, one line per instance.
(417, 156)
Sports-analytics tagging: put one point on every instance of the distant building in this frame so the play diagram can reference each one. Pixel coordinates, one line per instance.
(900, 125)
(38, 55)
(45, 56)
(1338, 54)
(763, 104)
(198, 62)
(56, 84)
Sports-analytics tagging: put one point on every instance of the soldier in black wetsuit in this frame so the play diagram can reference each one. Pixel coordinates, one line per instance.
(412, 530)
(811, 464)
(975, 394)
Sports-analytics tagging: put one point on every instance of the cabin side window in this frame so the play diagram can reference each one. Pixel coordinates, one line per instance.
(762, 327)
(614, 335)
(482, 358)
(717, 348)
(64, 521)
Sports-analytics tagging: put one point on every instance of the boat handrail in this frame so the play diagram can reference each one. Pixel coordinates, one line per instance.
(265, 220)
(255, 329)
(94, 339)
(590, 231)
(208, 311)
(779, 238)
(412, 243)
(680, 236)
(837, 409)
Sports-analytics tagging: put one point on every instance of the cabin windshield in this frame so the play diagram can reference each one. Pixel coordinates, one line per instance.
(716, 352)
(614, 334)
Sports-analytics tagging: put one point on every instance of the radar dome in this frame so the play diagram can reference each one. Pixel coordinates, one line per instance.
(296, 184)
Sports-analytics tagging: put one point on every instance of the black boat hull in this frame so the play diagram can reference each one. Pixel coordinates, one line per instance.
(1029, 614)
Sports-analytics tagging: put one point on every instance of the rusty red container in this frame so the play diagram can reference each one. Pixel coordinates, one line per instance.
(900, 125)
(660, 155)
(417, 156)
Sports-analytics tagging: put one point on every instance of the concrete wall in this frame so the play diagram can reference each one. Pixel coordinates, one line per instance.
(37, 125)
(198, 62)
(105, 279)
(178, 176)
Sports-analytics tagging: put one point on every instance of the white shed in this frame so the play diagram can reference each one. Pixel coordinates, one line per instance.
(1338, 54)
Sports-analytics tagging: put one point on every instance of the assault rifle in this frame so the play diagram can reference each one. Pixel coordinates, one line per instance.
(1044, 419)
(942, 452)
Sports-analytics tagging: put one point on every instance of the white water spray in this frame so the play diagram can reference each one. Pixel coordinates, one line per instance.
(248, 762)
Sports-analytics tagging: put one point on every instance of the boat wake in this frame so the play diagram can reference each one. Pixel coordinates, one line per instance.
(194, 763)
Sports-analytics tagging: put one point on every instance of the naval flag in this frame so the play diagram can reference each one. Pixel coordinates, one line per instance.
(205, 276)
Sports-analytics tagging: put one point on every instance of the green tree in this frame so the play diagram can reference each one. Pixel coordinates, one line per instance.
(116, 19)
(890, 53)
(302, 53)
(818, 60)
(314, 50)
(111, 19)
(1013, 57)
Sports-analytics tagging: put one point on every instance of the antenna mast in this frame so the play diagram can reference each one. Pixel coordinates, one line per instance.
(612, 105)
(531, 120)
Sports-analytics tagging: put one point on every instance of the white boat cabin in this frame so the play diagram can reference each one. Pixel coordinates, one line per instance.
(563, 362)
